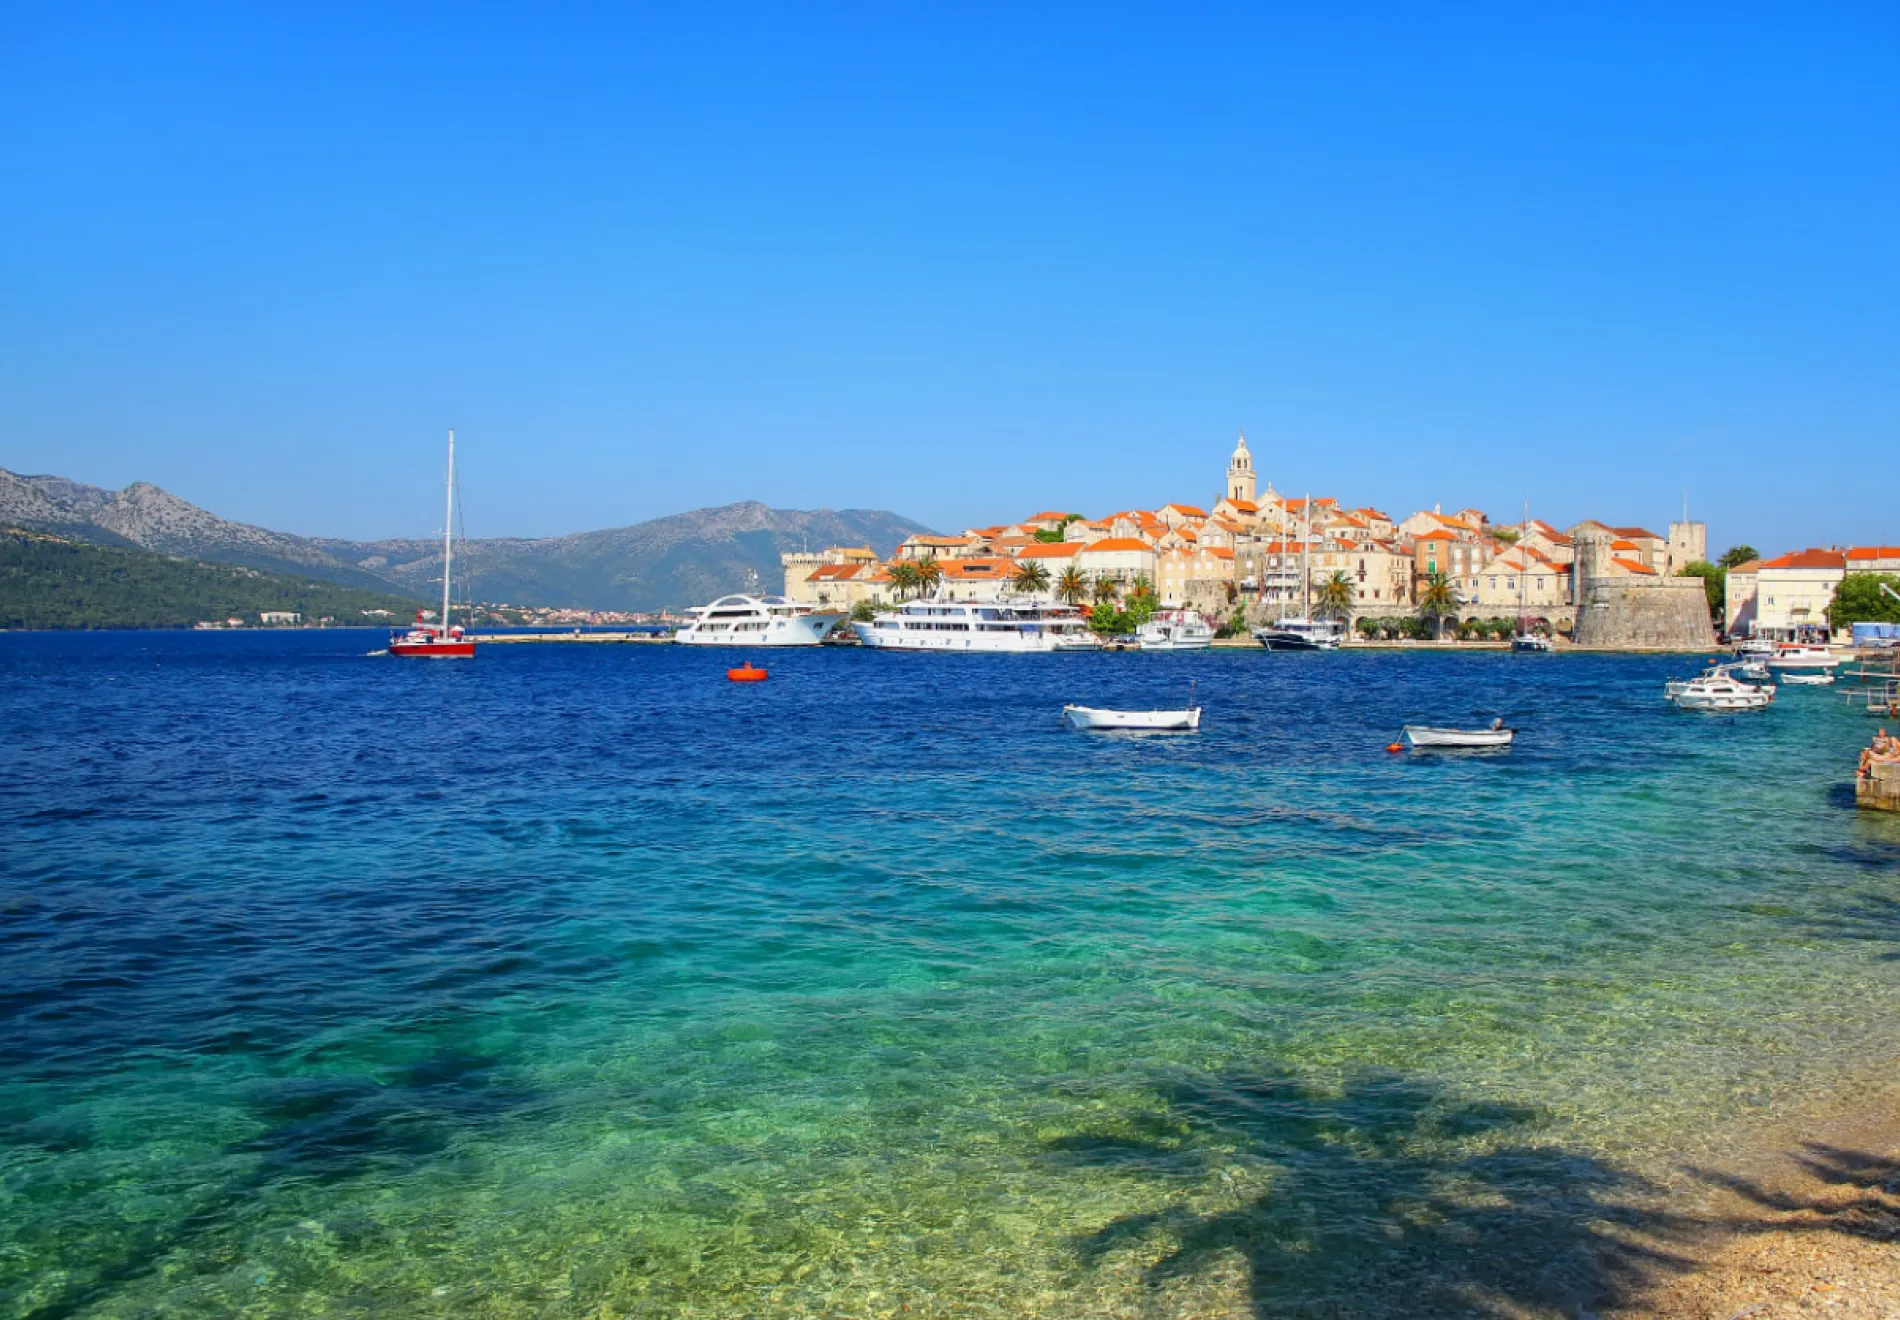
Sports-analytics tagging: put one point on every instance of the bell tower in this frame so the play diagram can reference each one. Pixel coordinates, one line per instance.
(1240, 475)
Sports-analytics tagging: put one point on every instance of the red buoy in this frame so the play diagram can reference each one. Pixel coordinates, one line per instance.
(746, 674)
(1395, 747)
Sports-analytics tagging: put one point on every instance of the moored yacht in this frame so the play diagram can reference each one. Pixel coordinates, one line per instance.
(757, 621)
(1790, 655)
(1180, 630)
(1301, 635)
(944, 625)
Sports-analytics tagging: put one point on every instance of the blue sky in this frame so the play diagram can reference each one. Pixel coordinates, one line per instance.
(958, 262)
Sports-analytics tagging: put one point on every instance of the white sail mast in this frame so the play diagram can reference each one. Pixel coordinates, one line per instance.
(448, 535)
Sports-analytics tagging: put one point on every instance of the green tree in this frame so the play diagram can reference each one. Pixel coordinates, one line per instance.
(863, 612)
(1109, 621)
(1508, 535)
(1072, 586)
(1859, 599)
(1336, 596)
(1031, 578)
(1104, 589)
(1737, 555)
(1437, 601)
(929, 574)
(904, 577)
(1714, 582)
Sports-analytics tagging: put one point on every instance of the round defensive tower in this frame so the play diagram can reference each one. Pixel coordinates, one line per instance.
(1635, 611)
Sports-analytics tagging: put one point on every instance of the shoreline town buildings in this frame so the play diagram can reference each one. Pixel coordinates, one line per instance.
(1265, 553)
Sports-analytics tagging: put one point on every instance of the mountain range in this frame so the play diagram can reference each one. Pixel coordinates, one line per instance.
(679, 560)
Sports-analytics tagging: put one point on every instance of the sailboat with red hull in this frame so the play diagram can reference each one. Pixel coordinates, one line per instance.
(439, 641)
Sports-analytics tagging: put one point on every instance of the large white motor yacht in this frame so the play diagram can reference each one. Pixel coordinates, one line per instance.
(757, 621)
(940, 625)
(1182, 630)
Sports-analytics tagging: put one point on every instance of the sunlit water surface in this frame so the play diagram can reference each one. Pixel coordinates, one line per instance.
(578, 981)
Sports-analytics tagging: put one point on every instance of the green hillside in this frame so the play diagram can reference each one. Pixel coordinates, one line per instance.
(50, 582)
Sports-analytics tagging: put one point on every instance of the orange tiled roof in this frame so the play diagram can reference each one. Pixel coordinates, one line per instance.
(1190, 510)
(1048, 515)
(1808, 559)
(1245, 506)
(1115, 543)
(1050, 550)
(975, 569)
(1440, 535)
(1622, 544)
(1635, 532)
(833, 572)
(1873, 552)
(1633, 567)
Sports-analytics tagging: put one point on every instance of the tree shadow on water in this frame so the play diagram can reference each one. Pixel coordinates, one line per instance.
(1380, 1197)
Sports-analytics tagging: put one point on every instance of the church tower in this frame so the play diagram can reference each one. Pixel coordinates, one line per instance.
(1240, 477)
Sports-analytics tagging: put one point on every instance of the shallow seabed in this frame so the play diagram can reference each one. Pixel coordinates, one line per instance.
(576, 981)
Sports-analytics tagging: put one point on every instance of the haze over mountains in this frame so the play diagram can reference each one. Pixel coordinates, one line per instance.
(683, 559)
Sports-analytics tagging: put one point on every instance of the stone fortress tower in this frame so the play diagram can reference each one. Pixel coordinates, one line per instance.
(1240, 475)
(1688, 543)
(1628, 612)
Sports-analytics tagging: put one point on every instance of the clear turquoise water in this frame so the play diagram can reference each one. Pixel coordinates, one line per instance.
(871, 990)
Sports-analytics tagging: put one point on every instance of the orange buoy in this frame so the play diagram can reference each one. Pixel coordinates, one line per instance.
(1395, 747)
(746, 674)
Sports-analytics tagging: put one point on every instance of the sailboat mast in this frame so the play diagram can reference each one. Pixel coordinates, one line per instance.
(448, 534)
(1306, 546)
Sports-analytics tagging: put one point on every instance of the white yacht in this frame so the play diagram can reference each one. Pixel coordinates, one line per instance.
(942, 625)
(1182, 630)
(1789, 655)
(757, 621)
(1301, 635)
(1718, 689)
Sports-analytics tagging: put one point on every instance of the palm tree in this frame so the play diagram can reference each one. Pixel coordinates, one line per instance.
(1437, 601)
(1141, 589)
(1031, 578)
(1072, 586)
(1336, 596)
(903, 576)
(1104, 589)
(929, 574)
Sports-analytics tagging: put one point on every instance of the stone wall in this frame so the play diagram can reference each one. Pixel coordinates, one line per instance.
(1882, 791)
(1666, 614)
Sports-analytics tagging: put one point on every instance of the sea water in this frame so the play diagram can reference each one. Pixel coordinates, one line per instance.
(574, 980)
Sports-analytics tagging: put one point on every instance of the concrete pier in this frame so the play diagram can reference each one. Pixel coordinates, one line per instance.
(1881, 790)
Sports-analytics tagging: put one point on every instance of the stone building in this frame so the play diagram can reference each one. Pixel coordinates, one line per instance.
(1621, 610)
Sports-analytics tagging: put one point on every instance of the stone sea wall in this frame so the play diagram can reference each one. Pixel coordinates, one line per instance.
(1667, 615)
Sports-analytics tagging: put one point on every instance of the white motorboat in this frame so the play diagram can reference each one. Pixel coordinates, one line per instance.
(1181, 631)
(757, 621)
(1530, 643)
(1718, 690)
(1424, 735)
(1808, 680)
(967, 626)
(1754, 671)
(1152, 721)
(1791, 655)
(1301, 635)
(1755, 648)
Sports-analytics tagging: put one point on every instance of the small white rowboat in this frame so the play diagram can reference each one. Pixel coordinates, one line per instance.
(1090, 717)
(1808, 680)
(1420, 735)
